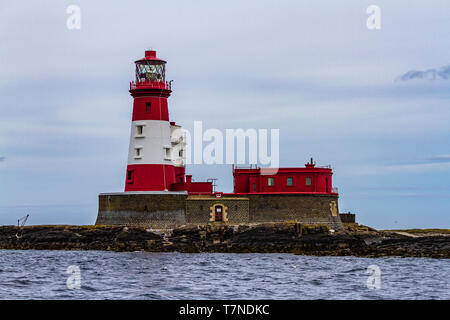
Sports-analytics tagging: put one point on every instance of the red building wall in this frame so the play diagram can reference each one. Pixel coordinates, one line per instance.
(253, 181)
(192, 187)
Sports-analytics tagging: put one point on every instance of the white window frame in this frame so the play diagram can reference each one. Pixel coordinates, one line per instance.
(136, 155)
(167, 149)
(136, 134)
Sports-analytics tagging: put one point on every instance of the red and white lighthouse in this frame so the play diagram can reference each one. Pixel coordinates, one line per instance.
(150, 164)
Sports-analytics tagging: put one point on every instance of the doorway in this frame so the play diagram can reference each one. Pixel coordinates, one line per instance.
(218, 213)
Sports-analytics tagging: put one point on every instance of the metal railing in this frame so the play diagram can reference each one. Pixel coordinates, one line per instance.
(249, 166)
(167, 85)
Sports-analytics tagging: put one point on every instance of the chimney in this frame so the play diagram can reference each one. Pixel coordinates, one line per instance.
(311, 164)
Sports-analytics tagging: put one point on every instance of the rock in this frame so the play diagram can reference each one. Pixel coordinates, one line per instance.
(293, 238)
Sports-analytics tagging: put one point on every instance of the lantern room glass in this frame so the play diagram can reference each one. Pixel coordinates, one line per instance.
(150, 71)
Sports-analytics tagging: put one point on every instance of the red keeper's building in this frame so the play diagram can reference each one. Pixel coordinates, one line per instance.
(310, 179)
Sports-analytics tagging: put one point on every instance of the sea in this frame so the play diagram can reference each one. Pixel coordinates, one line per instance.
(42, 274)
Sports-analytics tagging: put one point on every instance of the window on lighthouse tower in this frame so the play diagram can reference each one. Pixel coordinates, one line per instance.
(167, 153)
(138, 154)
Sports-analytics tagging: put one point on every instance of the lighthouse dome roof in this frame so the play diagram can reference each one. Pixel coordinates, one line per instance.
(150, 55)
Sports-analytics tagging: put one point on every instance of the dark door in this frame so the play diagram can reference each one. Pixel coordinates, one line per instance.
(218, 213)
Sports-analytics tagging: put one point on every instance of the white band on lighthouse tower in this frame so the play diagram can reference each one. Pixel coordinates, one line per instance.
(150, 143)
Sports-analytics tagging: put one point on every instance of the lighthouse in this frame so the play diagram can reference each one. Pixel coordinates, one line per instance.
(151, 166)
(160, 195)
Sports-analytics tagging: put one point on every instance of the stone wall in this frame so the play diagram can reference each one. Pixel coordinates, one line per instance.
(347, 217)
(156, 210)
(200, 210)
(168, 210)
(303, 208)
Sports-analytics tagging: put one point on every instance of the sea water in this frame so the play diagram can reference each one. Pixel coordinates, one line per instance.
(35, 274)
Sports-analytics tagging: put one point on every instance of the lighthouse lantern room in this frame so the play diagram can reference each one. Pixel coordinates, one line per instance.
(150, 68)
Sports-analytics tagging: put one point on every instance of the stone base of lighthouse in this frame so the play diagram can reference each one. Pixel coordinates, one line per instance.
(168, 210)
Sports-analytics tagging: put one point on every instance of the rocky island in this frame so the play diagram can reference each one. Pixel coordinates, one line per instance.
(295, 238)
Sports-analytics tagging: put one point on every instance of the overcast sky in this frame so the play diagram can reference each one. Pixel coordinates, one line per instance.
(374, 104)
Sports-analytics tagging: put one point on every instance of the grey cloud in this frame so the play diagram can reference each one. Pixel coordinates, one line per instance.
(430, 74)
(2, 159)
(442, 158)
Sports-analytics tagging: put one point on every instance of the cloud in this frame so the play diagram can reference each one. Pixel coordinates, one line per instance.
(430, 74)
(415, 168)
(441, 157)
(2, 159)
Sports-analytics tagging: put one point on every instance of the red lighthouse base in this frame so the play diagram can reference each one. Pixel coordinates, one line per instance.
(149, 177)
